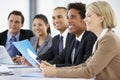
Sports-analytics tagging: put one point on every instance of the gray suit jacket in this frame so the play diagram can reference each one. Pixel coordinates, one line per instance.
(104, 64)
(44, 47)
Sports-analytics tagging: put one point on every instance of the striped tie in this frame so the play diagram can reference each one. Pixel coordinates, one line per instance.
(13, 51)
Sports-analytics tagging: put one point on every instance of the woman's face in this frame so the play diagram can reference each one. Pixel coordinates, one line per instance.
(39, 27)
(92, 20)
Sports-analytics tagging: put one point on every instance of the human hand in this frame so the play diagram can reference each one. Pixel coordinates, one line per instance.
(45, 63)
(17, 59)
(48, 69)
(25, 61)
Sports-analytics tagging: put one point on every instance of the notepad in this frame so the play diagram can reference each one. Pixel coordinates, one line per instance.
(27, 51)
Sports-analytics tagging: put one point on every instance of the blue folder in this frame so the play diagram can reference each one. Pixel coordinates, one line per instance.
(27, 51)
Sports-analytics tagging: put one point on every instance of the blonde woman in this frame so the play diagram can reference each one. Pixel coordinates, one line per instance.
(104, 64)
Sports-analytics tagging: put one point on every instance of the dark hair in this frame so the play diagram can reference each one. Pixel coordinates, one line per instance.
(44, 18)
(65, 9)
(17, 13)
(60, 8)
(80, 7)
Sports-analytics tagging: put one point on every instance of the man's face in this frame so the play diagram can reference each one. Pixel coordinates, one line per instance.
(74, 21)
(60, 19)
(15, 24)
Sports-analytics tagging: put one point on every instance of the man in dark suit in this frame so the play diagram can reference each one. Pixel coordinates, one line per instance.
(73, 55)
(60, 23)
(15, 22)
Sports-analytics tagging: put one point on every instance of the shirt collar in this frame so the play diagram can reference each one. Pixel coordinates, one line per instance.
(64, 34)
(16, 36)
(80, 37)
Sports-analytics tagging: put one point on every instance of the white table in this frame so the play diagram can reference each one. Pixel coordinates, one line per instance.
(31, 74)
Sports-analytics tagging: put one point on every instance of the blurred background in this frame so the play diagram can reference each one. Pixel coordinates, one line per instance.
(29, 8)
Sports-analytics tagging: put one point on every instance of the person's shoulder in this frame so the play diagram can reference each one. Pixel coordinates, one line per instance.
(90, 36)
(26, 30)
(90, 33)
(49, 37)
(34, 37)
(111, 35)
(33, 40)
(4, 32)
(56, 36)
(71, 35)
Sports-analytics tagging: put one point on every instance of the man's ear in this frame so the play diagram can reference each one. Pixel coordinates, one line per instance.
(21, 25)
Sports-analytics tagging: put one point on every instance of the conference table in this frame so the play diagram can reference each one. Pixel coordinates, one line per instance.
(30, 73)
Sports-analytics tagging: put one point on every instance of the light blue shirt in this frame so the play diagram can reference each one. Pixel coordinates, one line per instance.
(7, 45)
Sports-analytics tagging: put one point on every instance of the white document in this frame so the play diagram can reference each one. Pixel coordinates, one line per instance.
(16, 66)
(4, 56)
(32, 55)
(5, 71)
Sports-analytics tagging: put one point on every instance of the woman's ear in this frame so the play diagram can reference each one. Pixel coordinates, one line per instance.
(102, 18)
(48, 25)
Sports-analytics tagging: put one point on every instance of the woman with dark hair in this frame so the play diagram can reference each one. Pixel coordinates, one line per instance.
(41, 28)
(42, 40)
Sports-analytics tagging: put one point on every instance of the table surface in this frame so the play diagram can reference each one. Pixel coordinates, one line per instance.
(30, 73)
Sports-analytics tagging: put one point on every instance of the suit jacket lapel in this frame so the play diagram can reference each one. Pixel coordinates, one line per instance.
(70, 50)
(79, 48)
(81, 43)
(22, 35)
(35, 44)
(56, 45)
(42, 47)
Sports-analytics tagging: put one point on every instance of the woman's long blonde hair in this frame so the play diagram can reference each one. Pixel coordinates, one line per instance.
(102, 8)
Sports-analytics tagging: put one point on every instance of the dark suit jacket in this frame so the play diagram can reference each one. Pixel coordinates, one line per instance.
(54, 49)
(24, 34)
(84, 51)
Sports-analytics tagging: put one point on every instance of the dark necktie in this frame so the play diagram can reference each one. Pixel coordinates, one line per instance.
(74, 54)
(60, 44)
(76, 47)
(13, 51)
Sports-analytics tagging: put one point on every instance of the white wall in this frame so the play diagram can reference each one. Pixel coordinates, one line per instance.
(46, 7)
(6, 6)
